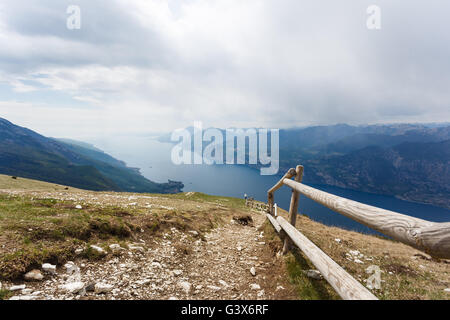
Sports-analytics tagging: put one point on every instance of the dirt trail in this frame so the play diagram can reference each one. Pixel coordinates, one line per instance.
(232, 261)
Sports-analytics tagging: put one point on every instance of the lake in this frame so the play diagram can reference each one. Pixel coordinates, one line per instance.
(154, 160)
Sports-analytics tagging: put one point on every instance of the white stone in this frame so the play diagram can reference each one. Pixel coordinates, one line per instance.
(177, 272)
(314, 274)
(50, 268)
(136, 248)
(173, 298)
(143, 282)
(102, 288)
(186, 286)
(253, 271)
(17, 288)
(73, 287)
(239, 248)
(338, 240)
(98, 249)
(34, 275)
(79, 251)
(23, 298)
(359, 261)
(223, 283)
(214, 288)
(447, 289)
(71, 268)
(261, 293)
(115, 248)
(78, 207)
(255, 286)
(156, 265)
(27, 291)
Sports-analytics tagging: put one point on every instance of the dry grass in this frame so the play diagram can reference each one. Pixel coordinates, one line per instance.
(407, 274)
(39, 222)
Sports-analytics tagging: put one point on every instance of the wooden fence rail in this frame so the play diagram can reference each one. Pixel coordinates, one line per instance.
(431, 237)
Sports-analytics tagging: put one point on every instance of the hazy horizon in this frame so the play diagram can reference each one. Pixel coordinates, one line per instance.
(148, 67)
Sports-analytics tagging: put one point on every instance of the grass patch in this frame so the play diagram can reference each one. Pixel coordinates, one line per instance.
(5, 294)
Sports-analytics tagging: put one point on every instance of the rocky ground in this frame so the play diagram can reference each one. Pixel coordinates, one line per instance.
(62, 243)
(231, 261)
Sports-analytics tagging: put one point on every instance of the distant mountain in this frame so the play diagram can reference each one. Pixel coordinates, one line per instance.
(28, 154)
(412, 170)
(409, 161)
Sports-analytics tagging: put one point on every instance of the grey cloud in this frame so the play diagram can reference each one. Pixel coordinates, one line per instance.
(275, 63)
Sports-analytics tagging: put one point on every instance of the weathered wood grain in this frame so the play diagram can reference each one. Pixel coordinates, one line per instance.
(293, 208)
(270, 199)
(431, 237)
(344, 284)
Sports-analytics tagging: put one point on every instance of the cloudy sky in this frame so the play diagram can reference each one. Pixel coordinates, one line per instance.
(146, 66)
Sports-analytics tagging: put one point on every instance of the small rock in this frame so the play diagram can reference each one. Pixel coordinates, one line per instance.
(73, 287)
(71, 268)
(115, 248)
(173, 298)
(34, 275)
(447, 290)
(79, 251)
(156, 265)
(255, 286)
(280, 288)
(314, 274)
(136, 248)
(338, 240)
(23, 298)
(253, 271)
(17, 288)
(239, 248)
(223, 283)
(98, 249)
(102, 288)
(49, 268)
(177, 272)
(27, 291)
(143, 282)
(358, 261)
(261, 293)
(186, 286)
(214, 288)
(78, 207)
(194, 233)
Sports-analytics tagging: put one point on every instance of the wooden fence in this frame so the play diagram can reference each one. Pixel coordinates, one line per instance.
(430, 237)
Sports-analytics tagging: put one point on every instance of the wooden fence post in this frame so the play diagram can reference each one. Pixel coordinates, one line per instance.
(293, 208)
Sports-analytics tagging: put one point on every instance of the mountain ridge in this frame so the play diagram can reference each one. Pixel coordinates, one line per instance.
(28, 154)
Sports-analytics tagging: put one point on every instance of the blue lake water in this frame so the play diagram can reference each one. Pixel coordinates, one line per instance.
(154, 159)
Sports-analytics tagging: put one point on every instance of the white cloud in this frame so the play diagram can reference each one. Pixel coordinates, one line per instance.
(155, 65)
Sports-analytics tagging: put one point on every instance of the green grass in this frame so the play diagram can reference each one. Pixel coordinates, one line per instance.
(5, 294)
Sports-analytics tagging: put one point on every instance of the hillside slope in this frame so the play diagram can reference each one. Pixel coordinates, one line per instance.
(183, 246)
(28, 154)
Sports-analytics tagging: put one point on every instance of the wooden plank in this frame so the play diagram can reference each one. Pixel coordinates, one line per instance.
(270, 199)
(293, 207)
(274, 223)
(431, 237)
(344, 284)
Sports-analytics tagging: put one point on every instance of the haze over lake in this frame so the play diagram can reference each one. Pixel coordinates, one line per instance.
(154, 160)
